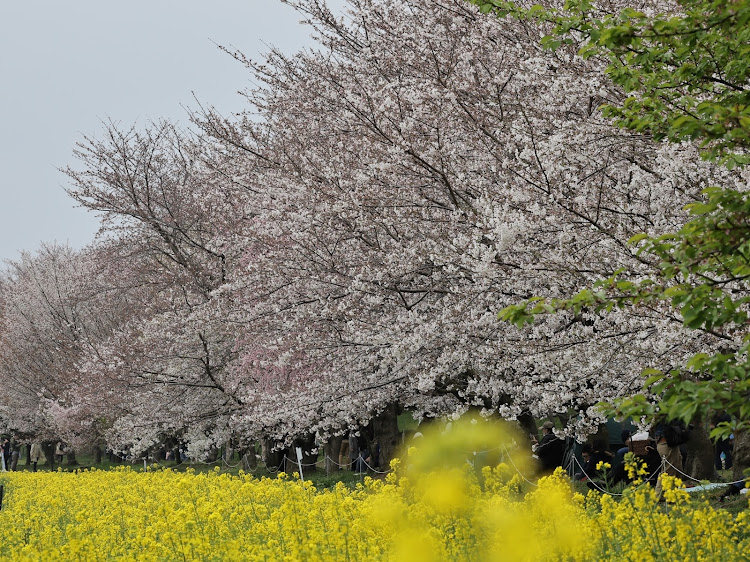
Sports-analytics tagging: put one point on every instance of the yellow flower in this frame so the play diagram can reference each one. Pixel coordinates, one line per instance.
(435, 506)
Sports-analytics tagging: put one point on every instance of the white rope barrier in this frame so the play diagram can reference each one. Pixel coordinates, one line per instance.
(654, 473)
(743, 481)
(191, 462)
(154, 461)
(700, 481)
(510, 458)
(650, 476)
(374, 469)
(303, 464)
(348, 465)
(207, 463)
(593, 483)
(677, 470)
(258, 468)
(224, 462)
(573, 462)
(269, 469)
(482, 452)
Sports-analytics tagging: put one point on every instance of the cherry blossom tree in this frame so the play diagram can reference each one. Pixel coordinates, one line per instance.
(52, 316)
(167, 222)
(685, 81)
(427, 166)
(340, 250)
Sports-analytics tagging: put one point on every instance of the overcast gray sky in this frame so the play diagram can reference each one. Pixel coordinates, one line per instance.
(66, 66)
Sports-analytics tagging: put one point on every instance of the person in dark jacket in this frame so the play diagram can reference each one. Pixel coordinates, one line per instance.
(593, 456)
(14, 455)
(550, 450)
(586, 451)
(597, 469)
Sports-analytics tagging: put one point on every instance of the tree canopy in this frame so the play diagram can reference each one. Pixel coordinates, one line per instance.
(687, 78)
(342, 247)
(685, 71)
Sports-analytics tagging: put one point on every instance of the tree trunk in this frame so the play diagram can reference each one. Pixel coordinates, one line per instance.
(97, 454)
(289, 460)
(213, 455)
(71, 458)
(28, 454)
(740, 454)
(331, 450)
(48, 448)
(385, 426)
(271, 458)
(309, 459)
(353, 449)
(249, 460)
(700, 453)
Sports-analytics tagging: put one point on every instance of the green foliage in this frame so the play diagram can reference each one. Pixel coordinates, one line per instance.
(687, 73)
(686, 76)
(406, 422)
(704, 272)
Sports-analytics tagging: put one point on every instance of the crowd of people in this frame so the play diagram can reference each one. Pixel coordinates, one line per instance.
(660, 451)
(10, 453)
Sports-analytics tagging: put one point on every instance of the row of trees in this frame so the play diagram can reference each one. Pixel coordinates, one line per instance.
(339, 251)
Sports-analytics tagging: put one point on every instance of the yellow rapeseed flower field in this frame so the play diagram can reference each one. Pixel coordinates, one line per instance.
(438, 504)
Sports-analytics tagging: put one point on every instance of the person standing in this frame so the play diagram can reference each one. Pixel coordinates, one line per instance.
(550, 450)
(59, 452)
(6, 454)
(36, 454)
(14, 455)
(668, 447)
